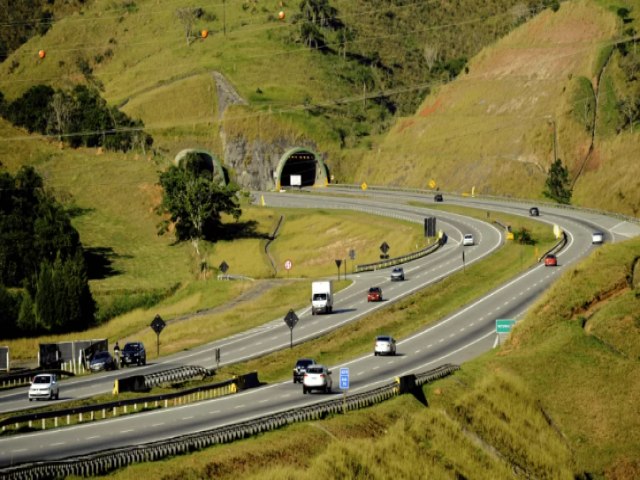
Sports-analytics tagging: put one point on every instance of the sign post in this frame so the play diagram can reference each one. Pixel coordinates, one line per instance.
(291, 319)
(158, 325)
(287, 266)
(344, 386)
(338, 263)
(218, 357)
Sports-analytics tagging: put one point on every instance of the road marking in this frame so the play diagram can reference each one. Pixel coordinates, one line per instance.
(154, 425)
(417, 351)
(238, 406)
(187, 418)
(19, 450)
(126, 431)
(376, 367)
(93, 437)
(57, 444)
(430, 345)
(213, 412)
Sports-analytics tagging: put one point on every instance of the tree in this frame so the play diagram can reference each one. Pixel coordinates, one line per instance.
(61, 107)
(188, 17)
(195, 202)
(557, 185)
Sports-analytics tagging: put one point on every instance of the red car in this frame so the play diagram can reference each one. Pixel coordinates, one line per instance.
(550, 261)
(374, 295)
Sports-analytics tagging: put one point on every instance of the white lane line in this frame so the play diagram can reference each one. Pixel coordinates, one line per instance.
(263, 401)
(238, 406)
(213, 412)
(187, 418)
(417, 351)
(376, 367)
(93, 437)
(154, 425)
(126, 431)
(19, 450)
(359, 373)
(57, 444)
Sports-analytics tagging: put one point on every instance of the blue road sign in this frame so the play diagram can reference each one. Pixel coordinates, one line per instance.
(344, 379)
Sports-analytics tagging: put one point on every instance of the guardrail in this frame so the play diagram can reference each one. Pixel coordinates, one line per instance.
(120, 407)
(104, 462)
(556, 248)
(368, 267)
(23, 378)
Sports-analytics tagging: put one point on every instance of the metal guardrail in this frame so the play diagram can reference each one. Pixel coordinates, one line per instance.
(23, 378)
(178, 374)
(368, 267)
(104, 462)
(28, 419)
(556, 248)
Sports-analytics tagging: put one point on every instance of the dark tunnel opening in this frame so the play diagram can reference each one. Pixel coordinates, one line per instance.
(303, 164)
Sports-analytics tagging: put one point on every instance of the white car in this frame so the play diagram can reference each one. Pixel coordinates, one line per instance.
(317, 377)
(44, 385)
(385, 345)
(597, 238)
(467, 240)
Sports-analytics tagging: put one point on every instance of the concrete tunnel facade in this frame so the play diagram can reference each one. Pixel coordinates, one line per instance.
(208, 162)
(304, 163)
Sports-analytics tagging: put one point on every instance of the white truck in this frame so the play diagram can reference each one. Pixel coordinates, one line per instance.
(321, 297)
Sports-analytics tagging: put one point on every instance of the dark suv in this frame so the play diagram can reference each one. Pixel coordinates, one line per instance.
(300, 369)
(134, 352)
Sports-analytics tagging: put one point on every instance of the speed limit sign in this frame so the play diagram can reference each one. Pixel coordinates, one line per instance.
(288, 265)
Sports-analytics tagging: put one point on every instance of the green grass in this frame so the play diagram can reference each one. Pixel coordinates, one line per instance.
(553, 402)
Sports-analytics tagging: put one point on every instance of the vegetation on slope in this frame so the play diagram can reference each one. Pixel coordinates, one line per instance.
(526, 101)
(557, 400)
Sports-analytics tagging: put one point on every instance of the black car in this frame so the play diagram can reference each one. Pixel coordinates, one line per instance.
(102, 361)
(437, 197)
(300, 369)
(134, 353)
(534, 212)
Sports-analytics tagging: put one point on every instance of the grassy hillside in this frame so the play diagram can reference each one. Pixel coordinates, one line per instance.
(493, 128)
(557, 400)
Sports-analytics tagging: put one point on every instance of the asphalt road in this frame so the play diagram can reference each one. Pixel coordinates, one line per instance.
(455, 339)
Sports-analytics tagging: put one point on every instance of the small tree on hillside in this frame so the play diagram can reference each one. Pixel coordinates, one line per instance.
(195, 201)
(557, 186)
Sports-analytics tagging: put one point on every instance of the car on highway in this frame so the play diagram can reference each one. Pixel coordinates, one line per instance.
(385, 345)
(317, 377)
(44, 385)
(551, 260)
(597, 238)
(397, 274)
(437, 197)
(301, 367)
(374, 294)
(534, 212)
(102, 361)
(133, 353)
(467, 240)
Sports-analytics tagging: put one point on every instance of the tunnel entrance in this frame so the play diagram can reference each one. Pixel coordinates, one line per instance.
(304, 165)
(202, 160)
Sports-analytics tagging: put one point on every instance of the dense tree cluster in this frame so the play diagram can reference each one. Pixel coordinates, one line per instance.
(81, 117)
(43, 277)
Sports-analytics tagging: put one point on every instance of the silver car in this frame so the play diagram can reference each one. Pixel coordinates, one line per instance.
(397, 274)
(317, 377)
(385, 345)
(44, 385)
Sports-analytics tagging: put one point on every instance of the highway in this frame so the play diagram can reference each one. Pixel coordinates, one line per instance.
(458, 338)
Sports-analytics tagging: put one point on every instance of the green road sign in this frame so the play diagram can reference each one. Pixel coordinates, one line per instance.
(504, 326)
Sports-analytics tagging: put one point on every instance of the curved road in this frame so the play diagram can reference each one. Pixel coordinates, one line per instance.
(455, 339)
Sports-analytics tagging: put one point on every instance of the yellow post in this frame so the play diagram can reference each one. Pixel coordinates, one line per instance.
(116, 388)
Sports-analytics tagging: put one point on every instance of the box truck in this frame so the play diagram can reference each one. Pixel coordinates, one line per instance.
(321, 297)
